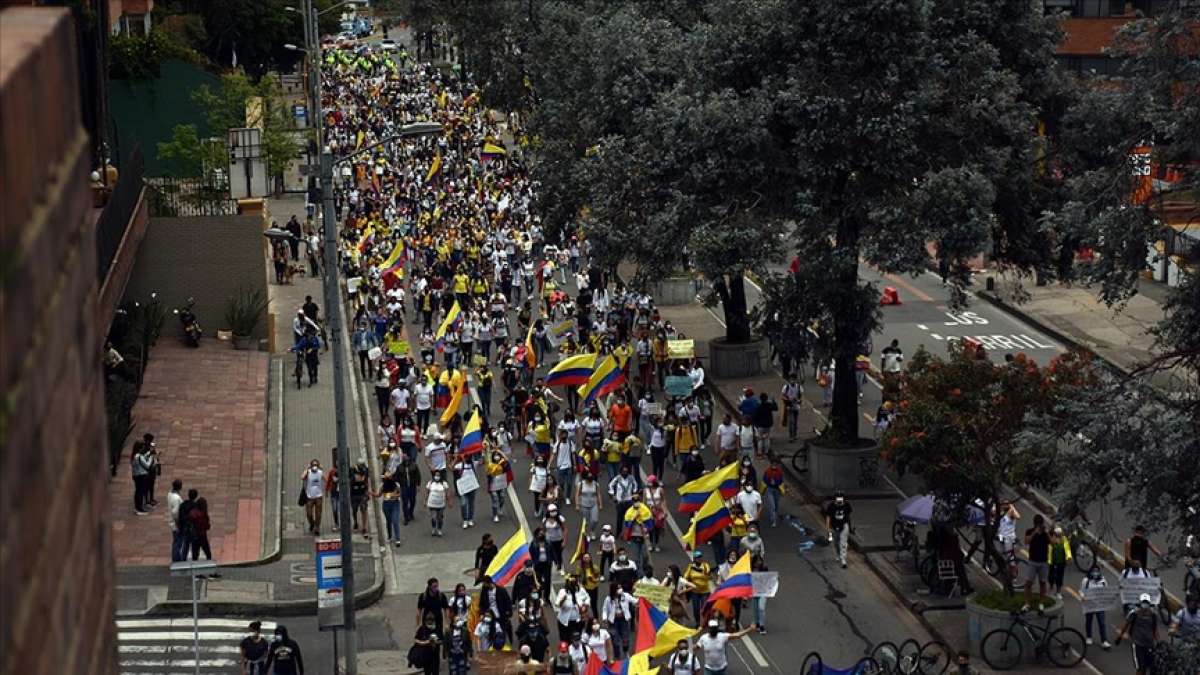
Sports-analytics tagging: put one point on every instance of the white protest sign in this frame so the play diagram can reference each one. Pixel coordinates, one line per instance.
(766, 584)
(1101, 599)
(1133, 587)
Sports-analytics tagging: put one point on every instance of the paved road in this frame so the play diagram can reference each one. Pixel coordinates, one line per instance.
(165, 646)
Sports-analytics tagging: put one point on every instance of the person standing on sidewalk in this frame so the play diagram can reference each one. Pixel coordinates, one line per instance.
(837, 521)
(140, 462)
(178, 541)
(313, 487)
(198, 517)
(153, 471)
(790, 394)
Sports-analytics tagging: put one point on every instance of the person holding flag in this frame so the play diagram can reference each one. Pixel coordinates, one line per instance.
(694, 494)
(606, 377)
(656, 632)
(637, 524)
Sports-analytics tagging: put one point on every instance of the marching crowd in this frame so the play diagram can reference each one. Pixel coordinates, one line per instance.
(461, 298)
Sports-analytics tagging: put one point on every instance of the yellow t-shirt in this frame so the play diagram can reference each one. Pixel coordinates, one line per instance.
(698, 576)
(460, 283)
(612, 450)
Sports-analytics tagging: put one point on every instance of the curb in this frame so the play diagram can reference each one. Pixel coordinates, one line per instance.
(183, 608)
(276, 399)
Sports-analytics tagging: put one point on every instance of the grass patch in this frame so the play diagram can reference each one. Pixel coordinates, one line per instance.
(999, 600)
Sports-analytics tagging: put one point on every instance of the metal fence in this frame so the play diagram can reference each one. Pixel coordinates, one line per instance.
(114, 219)
(174, 197)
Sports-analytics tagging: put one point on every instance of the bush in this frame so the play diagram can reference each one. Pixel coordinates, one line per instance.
(999, 600)
(245, 309)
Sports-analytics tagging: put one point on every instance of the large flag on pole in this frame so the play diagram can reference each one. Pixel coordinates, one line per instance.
(509, 559)
(530, 355)
(605, 378)
(739, 583)
(472, 440)
(459, 391)
(447, 323)
(581, 546)
(713, 517)
(656, 632)
(692, 495)
(434, 167)
(393, 264)
(571, 371)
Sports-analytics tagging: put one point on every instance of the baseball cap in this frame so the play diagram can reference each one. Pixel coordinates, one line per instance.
(712, 623)
(1144, 597)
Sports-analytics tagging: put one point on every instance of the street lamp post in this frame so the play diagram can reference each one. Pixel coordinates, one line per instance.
(333, 309)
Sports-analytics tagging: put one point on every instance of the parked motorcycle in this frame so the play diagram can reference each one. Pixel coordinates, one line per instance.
(191, 327)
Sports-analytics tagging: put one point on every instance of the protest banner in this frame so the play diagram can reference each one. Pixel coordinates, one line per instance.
(1101, 599)
(681, 349)
(656, 594)
(765, 584)
(679, 386)
(1133, 587)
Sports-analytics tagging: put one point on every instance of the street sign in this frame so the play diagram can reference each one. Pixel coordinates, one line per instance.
(192, 568)
(329, 583)
(299, 111)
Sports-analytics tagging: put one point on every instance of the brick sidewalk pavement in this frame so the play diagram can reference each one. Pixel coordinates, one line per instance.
(207, 410)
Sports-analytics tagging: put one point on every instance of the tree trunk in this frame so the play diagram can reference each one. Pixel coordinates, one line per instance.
(845, 332)
(733, 301)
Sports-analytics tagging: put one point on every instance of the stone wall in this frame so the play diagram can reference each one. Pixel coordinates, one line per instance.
(205, 257)
(56, 611)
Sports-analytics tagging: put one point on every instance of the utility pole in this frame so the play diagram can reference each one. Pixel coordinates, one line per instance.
(333, 316)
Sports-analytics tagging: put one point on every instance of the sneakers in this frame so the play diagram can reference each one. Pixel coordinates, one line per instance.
(843, 564)
(1087, 641)
(141, 513)
(495, 519)
(762, 630)
(1106, 644)
(568, 501)
(466, 524)
(471, 523)
(1025, 608)
(1041, 608)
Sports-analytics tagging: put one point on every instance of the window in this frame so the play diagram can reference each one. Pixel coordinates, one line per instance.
(1095, 8)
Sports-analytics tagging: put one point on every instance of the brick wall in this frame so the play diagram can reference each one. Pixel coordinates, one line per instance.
(56, 611)
(205, 257)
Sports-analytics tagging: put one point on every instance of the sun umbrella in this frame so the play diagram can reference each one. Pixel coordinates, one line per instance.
(920, 509)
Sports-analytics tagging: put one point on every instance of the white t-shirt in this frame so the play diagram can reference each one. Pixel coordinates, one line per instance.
(437, 494)
(746, 436)
(314, 483)
(424, 396)
(568, 605)
(686, 665)
(400, 397)
(714, 650)
(564, 452)
(598, 642)
(727, 435)
(435, 452)
(751, 503)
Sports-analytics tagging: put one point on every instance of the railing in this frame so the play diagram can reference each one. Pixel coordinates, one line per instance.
(114, 219)
(174, 197)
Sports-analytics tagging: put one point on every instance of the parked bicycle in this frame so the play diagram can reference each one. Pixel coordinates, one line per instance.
(1002, 648)
(913, 658)
(813, 665)
(904, 536)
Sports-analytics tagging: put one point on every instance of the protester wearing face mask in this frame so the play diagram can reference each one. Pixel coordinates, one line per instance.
(699, 576)
(579, 653)
(599, 641)
(313, 495)
(1095, 579)
(623, 571)
(713, 645)
(284, 655)
(459, 649)
(683, 661)
(426, 650)
(1141, 625)
(254, 651)
(750, 500)
(572, 608)
(532, 633)
(837, 522)
(752, 543)
(562, 664)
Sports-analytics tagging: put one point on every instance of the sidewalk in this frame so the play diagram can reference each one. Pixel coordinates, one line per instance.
(207, 410)
(1076, 315)
(280, 577)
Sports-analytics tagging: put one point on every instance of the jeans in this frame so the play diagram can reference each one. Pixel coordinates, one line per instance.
(408, 499)
(497, 503)
(760, 611)
(335, 503)
(422, 419)
(841, 540)
(178, 546)
(391, 516)
(658, 461)
(485, 401)
(566, 481)
(793, 421)
(467, 506)
(772, 494)
(697, 604)
(141, 493)
(620, 636)
(614, 469)
(437, 517)
(1099, 616)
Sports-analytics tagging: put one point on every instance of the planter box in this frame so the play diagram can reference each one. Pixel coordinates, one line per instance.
(853, 470)
(244, 342)
(728, 360)
(674, 291)
(981, 621)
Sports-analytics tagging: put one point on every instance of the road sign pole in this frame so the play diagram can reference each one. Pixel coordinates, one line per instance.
(333, 314)
(196, 623)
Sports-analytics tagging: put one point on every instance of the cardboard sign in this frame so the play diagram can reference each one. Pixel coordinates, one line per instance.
(679, 386)
(468, 483)
(1133, 587)
(1101, 599)
(656, 594)
(766, 584)
(352, 285)
(681, 349)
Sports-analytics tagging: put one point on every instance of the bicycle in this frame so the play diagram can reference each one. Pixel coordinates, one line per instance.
(1002, 648)
(813, 665)
(904, 536)
(800, 456)
(913, 658)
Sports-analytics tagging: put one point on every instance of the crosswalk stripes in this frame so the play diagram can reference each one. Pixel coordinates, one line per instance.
(154, 646)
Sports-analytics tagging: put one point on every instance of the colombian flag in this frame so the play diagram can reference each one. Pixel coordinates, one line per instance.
(447, 323)
(693, 495)
(434, 168)
(638, 664)
(656, 633)
(530, 355)
(368, 236)
(510, 559)
(472, 440)
(581, 546)
(458, 389)
(708, 521)
(740, 583)
(605, 378)
(393, 264)
(571, 371)
(638, 513)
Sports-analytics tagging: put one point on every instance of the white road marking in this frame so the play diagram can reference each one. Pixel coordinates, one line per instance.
(187, 623)
(181, 636)
(183, 663)
(160, 648)
(922, 326)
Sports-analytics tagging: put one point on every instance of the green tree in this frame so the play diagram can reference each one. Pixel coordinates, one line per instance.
(190, 155)
(958, 427)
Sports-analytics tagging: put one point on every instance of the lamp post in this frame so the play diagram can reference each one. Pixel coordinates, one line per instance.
(333, 305)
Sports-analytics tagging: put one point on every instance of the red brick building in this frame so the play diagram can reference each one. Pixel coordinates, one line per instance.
(1091, 26)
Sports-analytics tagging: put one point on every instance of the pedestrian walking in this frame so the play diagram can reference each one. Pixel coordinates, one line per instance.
(773, 494)
(837, 522)
(312, 494)
(178, 539)
(437, 498)
(253, 650)
(713, 646)
(389, 494)
(284, 657)
(200, 525)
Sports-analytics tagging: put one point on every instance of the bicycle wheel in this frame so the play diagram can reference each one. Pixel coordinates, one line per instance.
(1001, 649)
(909, 654)
(812, 665)
(800, 459)
(1164, 614)
(1066, 647)
(867, 666)
(990, 565)
(299, 373)
(929, 571)
(934, 659)
(1084, 556)
(887, 655)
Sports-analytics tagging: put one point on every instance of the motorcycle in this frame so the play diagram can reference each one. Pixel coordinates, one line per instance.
(191, 327)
